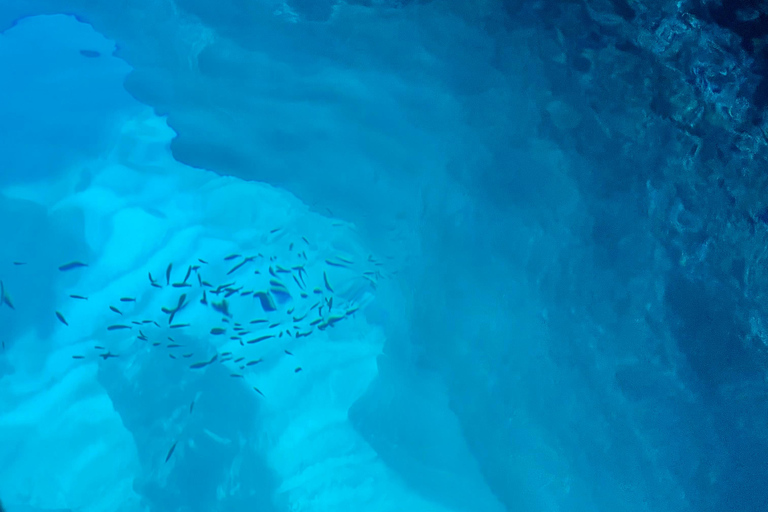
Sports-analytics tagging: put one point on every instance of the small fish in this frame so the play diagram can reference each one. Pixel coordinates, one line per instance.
(172, 356)
(181, 285)
(78, 357)
(134, 322)
(251, 363)
(80, 297)
(239, 359)
(191, 407)
(19, 263)
(113, 308)
(233, 269)
(170, 452)
(4, 297)
(232, 257)
(335, 264)
(127, 299)
(305, 240)
(168, 273)
(260, 338)
(199, 280)
(222, 307)
(197, 366)
(91, 54)
(118, 327)
(275, 230)
(187, 356)
(202, 261)
(236, 375)
(72, 265)
(272, 326)
(259, 321)
(204, 300)
(303, 334)
(189, 273)
(179, 326)
(327, 284)
(61, 318)
(287, 352)
(216, 331)
(257, 390)
(290, 247)
(173, 345)
(108, 355)
(297, 370)
(152, 281)
(99, 347)
(267, 303)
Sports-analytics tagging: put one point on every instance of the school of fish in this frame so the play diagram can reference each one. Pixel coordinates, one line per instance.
(284, 300)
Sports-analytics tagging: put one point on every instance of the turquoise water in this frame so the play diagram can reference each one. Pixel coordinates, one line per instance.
(330, 262)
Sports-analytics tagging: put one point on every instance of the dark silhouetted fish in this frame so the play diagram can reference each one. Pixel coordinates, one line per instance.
(297, 370)
(179, 326)
(113, 308)
(287, 352)
(239, 265)
(170, 452)
(255, 361)
(91, 54)
(197, 366)
(4, 297)
(152, 281)
(327, 284)
(19, 263)
(72, 265)
(204, 300)
(61, 318)
(118, 327)
(254, 388)
(232, 257)
(222, 307)
(108, 355)
(216, 331)
(260, 338)
(127, 299)
(202, 261)
(168, 273)
(78, 357)
(80, 297)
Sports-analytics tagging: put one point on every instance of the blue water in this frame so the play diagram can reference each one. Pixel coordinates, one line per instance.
(458, 322)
